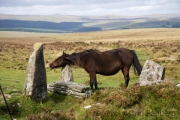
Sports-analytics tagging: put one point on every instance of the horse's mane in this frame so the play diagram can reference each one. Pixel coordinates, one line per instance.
(88, 51)
(85, 52)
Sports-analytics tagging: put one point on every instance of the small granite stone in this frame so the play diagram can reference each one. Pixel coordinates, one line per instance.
(151, 73)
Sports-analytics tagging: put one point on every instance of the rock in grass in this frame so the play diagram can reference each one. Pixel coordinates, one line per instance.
(67, 75)
(178, 85)
(151, 73)
(69, 88)
(35, 83)
(61, 85)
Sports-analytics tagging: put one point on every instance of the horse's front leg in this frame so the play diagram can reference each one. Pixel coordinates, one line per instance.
(93, 80)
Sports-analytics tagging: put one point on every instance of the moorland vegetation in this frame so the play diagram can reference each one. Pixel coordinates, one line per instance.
(111, 101)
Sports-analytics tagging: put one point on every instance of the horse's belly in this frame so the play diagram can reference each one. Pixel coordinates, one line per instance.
(109, 71)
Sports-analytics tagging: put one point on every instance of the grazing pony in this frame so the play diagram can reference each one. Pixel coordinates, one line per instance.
(104, 63)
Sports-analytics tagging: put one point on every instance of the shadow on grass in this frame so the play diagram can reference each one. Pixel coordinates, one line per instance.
(56, 98)
(13, 108)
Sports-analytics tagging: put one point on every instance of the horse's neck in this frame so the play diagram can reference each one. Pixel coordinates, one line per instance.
(77, 59)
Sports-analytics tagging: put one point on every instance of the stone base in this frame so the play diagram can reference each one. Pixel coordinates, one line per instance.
(69, 88)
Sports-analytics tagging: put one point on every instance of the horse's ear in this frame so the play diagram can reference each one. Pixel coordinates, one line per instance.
(64, 54)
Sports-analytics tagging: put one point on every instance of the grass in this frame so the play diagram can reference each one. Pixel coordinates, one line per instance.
(111, 101)
(158, 102)
(136, 103)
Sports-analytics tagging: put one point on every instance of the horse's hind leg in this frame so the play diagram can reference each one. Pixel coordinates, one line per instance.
(91, 84)
(95, 84)
(126, 76)
(93, 81)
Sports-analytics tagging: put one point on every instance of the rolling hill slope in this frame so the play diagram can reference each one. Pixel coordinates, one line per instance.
(66, 24)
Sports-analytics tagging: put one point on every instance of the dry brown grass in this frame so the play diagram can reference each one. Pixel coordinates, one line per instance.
(103, 36)
(160, 45)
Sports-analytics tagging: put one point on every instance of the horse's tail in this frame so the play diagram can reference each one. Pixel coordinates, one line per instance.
(136, 64)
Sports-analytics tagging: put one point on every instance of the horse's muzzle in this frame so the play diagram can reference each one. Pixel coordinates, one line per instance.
(51, 66)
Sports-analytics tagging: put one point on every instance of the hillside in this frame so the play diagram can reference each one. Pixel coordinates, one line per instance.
(68, 24)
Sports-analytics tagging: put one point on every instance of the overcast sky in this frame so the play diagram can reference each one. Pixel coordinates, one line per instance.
(89, 7)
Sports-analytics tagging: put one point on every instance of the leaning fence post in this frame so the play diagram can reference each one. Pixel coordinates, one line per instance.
(6, 102)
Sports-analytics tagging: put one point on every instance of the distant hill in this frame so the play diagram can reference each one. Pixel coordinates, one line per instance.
(64, 24)
(43, 26)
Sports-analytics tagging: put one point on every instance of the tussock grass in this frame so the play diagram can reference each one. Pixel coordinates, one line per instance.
(135, 102)
(157, 102)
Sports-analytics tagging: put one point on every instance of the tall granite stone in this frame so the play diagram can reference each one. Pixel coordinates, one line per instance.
(67, 75)
(152, 73)
(35, 82)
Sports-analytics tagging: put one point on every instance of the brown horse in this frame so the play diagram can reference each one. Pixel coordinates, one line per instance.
(104, 63)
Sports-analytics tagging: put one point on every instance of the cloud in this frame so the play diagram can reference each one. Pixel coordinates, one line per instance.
(89, 7)
(20, 3)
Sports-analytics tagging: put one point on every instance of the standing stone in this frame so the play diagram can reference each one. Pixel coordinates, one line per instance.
(151, 73)
(67, 75)
(35, 83)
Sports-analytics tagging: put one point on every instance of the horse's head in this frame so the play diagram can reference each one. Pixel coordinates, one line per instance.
(60, 61)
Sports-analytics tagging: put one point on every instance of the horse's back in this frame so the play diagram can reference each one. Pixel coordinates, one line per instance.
(126, 55)
(108, 57)
(107, 62)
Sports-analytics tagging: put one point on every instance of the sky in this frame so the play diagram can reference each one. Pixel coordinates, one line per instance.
(89, 7)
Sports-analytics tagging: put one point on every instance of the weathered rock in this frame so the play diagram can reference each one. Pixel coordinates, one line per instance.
(69, 88)
(68, 85)
(151, 73)
(178, 85)
(89, 106)
(67, 75)
(35, 83)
